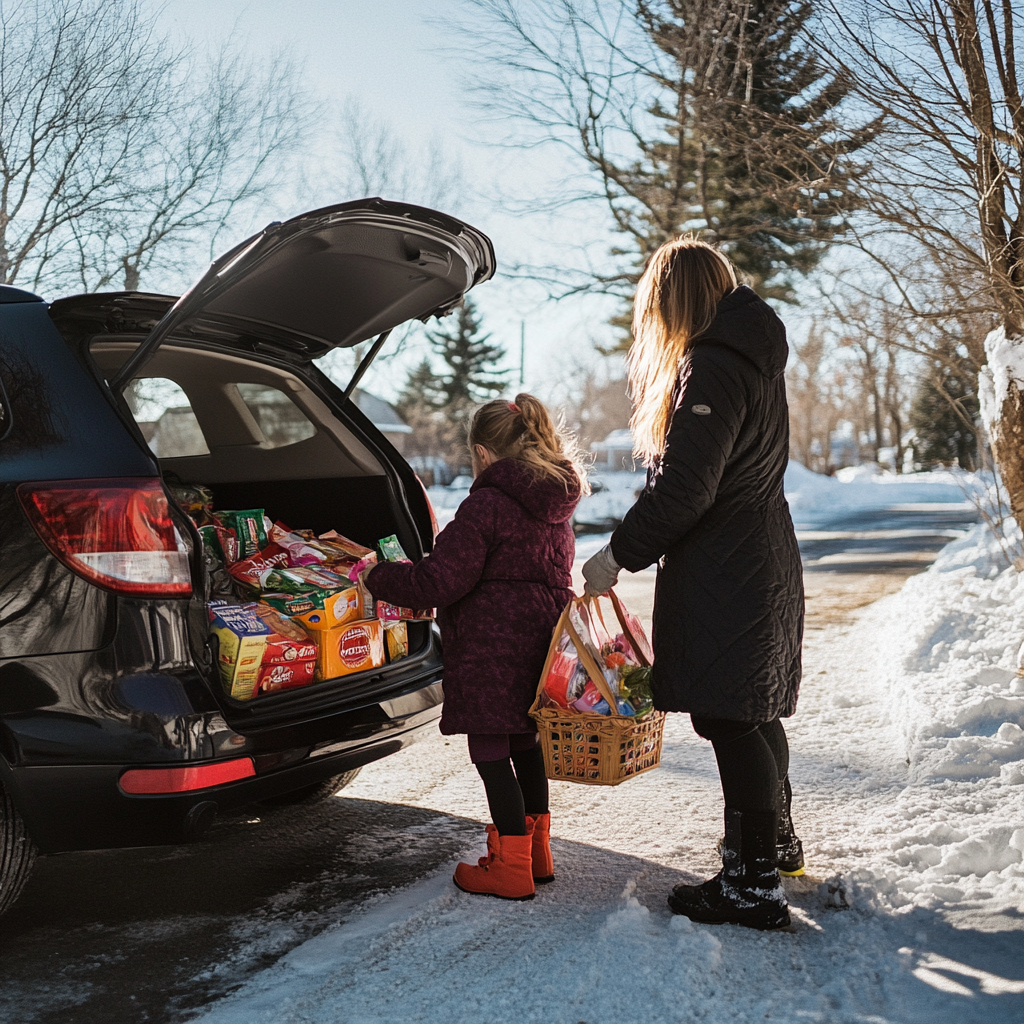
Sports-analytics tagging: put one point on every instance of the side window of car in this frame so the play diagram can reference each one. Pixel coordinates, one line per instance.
(280, 419)
(165, 417)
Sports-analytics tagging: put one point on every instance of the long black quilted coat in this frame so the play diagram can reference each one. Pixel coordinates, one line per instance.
(729, 605)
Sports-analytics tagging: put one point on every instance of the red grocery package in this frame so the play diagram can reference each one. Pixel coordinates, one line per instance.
(251, 569)
(286, 676)
(282, 650)
(561, 670)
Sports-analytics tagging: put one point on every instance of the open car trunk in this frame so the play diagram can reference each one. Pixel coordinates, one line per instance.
(261, 433)
(245, 414)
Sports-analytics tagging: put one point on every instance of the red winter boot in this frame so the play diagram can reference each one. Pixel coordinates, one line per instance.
(543, 866)
(505, 871)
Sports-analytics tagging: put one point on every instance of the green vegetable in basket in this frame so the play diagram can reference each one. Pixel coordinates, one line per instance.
(635, 686)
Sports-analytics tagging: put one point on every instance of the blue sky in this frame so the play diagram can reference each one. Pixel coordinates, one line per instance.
(400, 61)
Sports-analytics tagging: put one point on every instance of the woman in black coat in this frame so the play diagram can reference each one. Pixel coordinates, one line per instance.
(711, 422)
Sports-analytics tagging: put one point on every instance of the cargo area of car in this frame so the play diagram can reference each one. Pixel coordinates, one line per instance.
(257, 435)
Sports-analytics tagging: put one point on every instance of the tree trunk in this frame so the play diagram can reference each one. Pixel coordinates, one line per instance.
(1007, 435)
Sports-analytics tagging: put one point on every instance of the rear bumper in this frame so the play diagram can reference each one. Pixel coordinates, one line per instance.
(81, 807)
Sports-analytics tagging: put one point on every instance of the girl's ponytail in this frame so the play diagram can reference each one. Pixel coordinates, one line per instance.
(523, 429)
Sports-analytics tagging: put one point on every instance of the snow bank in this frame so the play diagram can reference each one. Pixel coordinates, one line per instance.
(1005, 366)
(864, 487)
(945, 664)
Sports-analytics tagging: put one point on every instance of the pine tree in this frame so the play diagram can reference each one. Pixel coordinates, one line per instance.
(471, 375)
(945, 411)
(750, 154)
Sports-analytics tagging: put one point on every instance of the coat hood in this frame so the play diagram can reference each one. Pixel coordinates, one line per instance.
(746, 323)
(545, 498)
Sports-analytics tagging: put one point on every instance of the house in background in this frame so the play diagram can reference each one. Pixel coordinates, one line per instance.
(615, 452)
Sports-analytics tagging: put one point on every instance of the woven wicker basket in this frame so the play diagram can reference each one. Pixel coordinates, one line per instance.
(597, 750)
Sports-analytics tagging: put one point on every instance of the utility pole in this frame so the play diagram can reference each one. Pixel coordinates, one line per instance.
(522, 353)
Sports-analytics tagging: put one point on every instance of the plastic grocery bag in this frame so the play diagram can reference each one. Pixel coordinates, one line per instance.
(591, 669)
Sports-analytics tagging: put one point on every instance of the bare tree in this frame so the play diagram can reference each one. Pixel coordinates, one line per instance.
(686, 115)
(949, 170)
(120, 152)
(376, 160)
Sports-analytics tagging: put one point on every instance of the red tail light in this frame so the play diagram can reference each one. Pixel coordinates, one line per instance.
(117, 534)
(181, 780)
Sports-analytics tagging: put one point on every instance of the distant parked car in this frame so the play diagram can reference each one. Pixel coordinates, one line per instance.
(115, 730)
(461, 483)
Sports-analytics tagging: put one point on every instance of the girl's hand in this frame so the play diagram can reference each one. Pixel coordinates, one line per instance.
(601, 572)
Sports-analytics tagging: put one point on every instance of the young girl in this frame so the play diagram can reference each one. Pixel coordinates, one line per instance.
(500, 575)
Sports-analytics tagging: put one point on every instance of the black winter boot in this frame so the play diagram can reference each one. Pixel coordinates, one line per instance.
(747, 890)
(788, 848)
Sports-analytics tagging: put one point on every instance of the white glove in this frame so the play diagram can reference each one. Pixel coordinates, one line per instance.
(601, 572)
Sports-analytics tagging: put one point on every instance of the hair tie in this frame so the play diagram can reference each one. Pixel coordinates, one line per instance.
(514, 408)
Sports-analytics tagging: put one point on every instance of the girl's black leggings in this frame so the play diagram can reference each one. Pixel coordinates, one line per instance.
(753, 758)
(516, 784)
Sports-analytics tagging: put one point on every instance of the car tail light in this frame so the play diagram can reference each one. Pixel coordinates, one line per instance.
(117, 534)
(182, 780)
(430, 507)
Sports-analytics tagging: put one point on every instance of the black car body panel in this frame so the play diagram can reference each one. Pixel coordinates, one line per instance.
(94, 682)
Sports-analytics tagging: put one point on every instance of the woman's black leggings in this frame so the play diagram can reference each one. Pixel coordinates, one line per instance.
(752, 760)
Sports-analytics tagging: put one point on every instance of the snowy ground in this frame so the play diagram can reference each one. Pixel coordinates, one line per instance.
(908, 771)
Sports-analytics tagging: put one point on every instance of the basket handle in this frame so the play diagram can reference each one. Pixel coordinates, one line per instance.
(592, 667)
(639, 649)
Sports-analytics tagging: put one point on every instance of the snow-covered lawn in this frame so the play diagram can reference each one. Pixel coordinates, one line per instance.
(908, 771)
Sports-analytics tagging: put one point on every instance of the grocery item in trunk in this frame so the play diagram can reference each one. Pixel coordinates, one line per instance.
(397, 636)
(304, 578)
(242, 638)
(286, 664)
(393, 551)
(279, 623)
(300, 551)
(334, 542)
(354, 647)
(194, 500)
(290, 604)
(249, 529)
(253, 569)
(334, 609)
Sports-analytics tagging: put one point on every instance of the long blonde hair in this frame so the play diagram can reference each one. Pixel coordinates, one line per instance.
(683, 282)
(524, 430)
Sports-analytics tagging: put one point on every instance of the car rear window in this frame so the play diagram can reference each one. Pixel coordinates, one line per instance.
(280, 419)
(164, 415)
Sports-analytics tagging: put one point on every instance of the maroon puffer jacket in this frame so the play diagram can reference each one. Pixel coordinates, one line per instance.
(499, 575)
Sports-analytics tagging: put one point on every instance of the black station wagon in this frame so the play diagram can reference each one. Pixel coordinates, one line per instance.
(115, 729)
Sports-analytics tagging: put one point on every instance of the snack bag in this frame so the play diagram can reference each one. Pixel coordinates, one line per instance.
(286, 663)
(397, 636)
(194, 500)
(304, 578)
(290, 604)
(333, 543)
(300, 551)
(242, 639)
(280, 624)
(249, 529)
(253, 569)
(392, 550)
(392, 613)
